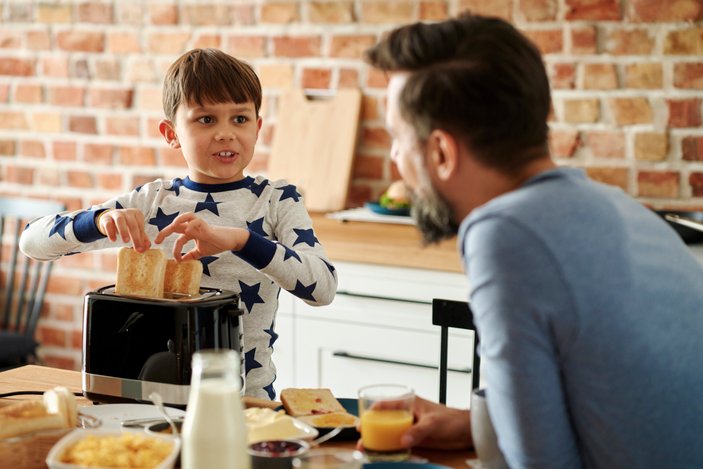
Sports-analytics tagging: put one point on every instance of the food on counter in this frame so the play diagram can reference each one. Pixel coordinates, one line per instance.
(140, 274)
(396, 197)
(56, 410)
(183, 277)
(268, 424)
(335, 419)
(128, 450)
(314, 401)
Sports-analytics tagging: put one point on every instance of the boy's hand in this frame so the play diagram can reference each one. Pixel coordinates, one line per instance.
(128, 223)
(208, 239)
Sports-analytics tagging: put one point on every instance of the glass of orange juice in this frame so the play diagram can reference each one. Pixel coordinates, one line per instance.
(386, 412)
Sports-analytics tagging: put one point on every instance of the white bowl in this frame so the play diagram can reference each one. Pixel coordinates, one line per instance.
(53, 459)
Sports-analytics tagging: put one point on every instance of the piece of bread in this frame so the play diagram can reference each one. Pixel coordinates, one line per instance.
(183, 277)
(56, 410)
(298, 401)
(62, 402)
(334, 419)
(140, 274)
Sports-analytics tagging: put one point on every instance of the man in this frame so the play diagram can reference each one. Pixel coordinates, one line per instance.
(589, 307)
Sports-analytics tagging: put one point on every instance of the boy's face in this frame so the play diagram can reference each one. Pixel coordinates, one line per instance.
(217, 139)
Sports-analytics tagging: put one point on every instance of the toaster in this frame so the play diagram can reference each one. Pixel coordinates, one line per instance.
(133, 346)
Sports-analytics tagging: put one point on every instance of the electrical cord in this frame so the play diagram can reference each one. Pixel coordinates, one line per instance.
(30, 393)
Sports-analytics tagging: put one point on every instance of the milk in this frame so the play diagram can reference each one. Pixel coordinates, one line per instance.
(214, 433)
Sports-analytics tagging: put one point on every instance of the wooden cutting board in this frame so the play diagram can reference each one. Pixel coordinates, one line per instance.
(314, 144)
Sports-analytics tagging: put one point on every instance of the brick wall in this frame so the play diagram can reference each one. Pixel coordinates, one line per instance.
(80, 97)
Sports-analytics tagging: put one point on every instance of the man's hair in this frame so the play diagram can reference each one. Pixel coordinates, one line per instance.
(477, 78)
(209, 76)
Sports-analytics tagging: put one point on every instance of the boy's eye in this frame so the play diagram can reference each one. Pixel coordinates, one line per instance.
(205, 120)
(241, 119)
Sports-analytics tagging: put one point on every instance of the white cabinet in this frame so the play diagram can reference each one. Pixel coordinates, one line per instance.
(377, 330)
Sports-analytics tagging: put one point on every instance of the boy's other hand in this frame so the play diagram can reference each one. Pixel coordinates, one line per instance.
(209, 239)
(128, 223)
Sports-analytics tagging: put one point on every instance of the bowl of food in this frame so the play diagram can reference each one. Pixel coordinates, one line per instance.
(104, 448)
(276, 454)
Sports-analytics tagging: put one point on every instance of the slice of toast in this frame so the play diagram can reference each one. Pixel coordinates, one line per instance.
(331, 420)
(140, 274)
(183, 277)
(298, 401)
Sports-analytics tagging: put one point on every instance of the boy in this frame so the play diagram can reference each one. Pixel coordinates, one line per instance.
(253, 236)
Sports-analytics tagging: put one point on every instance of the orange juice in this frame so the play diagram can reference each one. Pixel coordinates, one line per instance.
(381, 429)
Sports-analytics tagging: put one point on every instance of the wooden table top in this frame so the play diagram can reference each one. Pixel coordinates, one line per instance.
(39, 378)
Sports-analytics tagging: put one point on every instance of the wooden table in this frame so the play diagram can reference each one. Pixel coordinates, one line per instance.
(39, 378)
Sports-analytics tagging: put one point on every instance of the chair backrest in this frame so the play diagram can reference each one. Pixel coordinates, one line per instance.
(25, 280)
(457, 314)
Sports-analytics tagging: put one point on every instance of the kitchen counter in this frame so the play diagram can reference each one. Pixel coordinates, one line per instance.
(383, 244)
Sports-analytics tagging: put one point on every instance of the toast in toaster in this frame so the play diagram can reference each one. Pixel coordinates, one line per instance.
(298, 401)
(141, 274)
(183, 277)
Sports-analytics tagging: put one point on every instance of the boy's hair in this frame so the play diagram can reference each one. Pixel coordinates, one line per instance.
(477, 78)
(209, 76)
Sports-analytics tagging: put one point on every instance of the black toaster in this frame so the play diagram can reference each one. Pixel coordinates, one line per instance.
(133, 346)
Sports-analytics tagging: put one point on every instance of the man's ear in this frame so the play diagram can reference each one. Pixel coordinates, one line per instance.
(443, 152)
(166, 129)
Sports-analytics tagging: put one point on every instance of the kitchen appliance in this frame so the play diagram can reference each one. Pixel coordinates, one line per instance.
(133, 346)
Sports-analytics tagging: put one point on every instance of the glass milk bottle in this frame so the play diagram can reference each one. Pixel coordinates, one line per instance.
(214, 433)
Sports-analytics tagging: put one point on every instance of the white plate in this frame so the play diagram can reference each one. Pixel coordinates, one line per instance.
(112, 415)
(301, 431)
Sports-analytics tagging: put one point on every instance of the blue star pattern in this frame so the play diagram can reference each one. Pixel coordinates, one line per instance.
(257, 226)
(305, 236)
(209, 204)
(161, 220)
(206, 261)
(301, 291)
(118, 205)
(270, 391)
(289, 192)
(290, 253)
(330, 267)
(176, 186)
(258, 189)
(273, 335)
(60, 223)
(250, 362)
(250, 295)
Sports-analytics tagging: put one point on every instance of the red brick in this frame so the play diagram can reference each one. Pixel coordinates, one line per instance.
(259, 163)
(375, 137)
(19, 12)
(17, 67)
(688, 75)
(563, 143)
(4, 92)
(141, 70)
(665, 10)
(108, 69)
(208, 41)
(331, 12)
(66, 95)
(33, 148)
(19, 175)
(38, 40)
(352, 46)
(651, 146)
(279, 12)
(137, 156)
(122, 126)
(695, 180)
(82, 124)
(171, 157)
(81, 41)
(581, 110)
(49, 122)
(500, 8)
(358, 195)
(64, 151)
(348, 78)
(117, 98)
(94, 12)
(684, 112)
(56, 67)
(13, 120)
(629, 42)
(163, 14)
(49, 176)
(692, 148)
(371, 108)
(593, 10)
(538, 10)
(549, 41)
(644, 75)
(130, 13)
(29, 93)
(658, 184)
(141, 179)
(205, 15)
(618, 177)
(381, 11)
(123, 42)
(598, 76)
(53, 13)
(684, 42)
(316, 78)
(368, 167)
(80, 179)
(376, 78)
(98, 153)
(76, 340)
(10, 40)
(168, 43)
(296, 46)
(276, 75)
(433, 10)
(606, 144)
(51, 336)
(59, 361)
(7, 147)
(629, 111)
(584, 40)
(242, 15)
(247, 46)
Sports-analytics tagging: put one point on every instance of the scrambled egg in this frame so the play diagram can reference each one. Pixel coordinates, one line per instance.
(128, 450)
(267, 424)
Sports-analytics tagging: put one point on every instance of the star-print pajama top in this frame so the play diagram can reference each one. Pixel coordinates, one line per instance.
(282, 251)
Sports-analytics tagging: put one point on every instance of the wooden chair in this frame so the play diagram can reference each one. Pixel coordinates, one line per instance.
(24, 282)
(458, 314)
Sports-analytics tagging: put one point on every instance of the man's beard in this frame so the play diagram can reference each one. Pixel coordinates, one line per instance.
(433, 215)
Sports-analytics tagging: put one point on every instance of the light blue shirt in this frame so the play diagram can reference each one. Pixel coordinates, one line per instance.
(590, 312)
